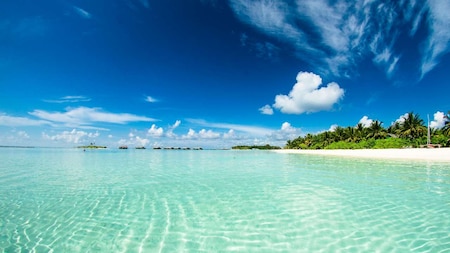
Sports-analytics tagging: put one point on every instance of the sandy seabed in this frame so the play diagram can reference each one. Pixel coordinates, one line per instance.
(431, 154)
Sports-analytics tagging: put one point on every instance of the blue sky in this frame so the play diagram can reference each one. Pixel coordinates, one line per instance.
(215, 74)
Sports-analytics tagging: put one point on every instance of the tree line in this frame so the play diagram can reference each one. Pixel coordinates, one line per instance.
(411, 132)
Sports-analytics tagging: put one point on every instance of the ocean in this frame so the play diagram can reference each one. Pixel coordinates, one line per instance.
(111, 200)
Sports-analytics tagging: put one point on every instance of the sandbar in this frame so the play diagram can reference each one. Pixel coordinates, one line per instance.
(425, 154)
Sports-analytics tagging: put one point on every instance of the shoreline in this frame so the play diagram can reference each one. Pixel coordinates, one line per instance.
(418, 154)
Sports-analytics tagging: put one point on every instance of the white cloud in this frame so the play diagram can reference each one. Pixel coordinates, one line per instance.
(74, 136)
(333, 36)
(208, 134)
(230, 134)
(333, 127)
(202, 134)
(267, 109)
(253, 130)
(402, 118)
(307, 96)
(190, 135)
(439, 120)
(329, 19)
(365, 121)
(85, 116)
(176, 124)
(438, 41)
(155, 131)
(6, 120)
(82, 13)
(286, 132)
(151, 99)
(141, 141)
(23, 135)
(68, 99)
(169, 132)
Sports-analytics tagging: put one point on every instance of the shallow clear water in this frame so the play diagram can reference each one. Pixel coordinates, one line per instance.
(67, 200)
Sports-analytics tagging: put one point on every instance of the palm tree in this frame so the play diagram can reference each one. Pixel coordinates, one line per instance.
(395, 129)
(413, 126)
(376, 130)
(360, 131)
(350, 134)
(446, 128)
(338, 134)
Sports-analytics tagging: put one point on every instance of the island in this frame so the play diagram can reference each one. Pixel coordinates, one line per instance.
(261, 147)
(91, 146)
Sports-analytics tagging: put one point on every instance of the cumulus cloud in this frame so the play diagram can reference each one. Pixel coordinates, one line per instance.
(202, 134)
(439, 119)
(74, 136)
(208, 134)
(230, 134)
(155, 131)
(365, 121)
(254, 130)
(402, 118)
(141, 141)
(267, 109)
(286, 132)
(306, 96)
(81, 116)
(333, 127)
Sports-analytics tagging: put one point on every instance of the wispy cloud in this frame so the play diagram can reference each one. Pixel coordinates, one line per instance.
(82, 116)
(82, 13)
(68, 99)
(151, 99)
(438, 43)
(271, 17)
(14, 121)
(333, 36)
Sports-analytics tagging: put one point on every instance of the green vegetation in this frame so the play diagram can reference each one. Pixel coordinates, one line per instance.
(412, 132)
(262, 147)
(91, 146)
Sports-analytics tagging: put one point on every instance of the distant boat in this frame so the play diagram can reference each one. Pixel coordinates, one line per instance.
(123, 147)
(140, 147)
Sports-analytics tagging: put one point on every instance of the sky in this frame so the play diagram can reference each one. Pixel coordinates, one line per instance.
(214, 74)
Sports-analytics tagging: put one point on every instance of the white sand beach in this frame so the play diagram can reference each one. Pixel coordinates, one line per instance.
(431, 154)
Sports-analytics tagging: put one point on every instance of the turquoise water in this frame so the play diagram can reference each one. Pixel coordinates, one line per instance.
(67, 200)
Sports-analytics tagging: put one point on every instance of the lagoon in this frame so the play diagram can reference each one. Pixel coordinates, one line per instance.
(67, 200)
